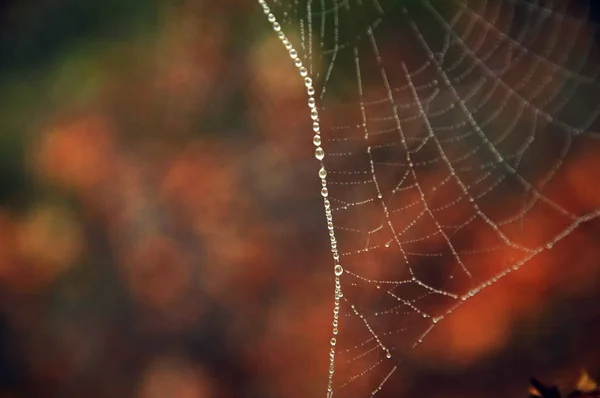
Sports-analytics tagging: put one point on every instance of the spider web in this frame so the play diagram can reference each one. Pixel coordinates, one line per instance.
(443, 130)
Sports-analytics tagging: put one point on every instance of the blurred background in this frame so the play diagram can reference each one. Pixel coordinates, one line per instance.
(161, 228)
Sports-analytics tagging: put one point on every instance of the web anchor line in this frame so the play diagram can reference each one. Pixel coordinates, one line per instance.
(338, 270)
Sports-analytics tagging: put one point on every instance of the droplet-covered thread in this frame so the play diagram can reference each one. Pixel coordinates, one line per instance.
(319, 155)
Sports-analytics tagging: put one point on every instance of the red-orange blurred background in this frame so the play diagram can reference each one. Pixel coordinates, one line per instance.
(161, 229)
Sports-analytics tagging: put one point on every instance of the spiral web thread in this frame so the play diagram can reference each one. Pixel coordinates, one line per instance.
(445, 132)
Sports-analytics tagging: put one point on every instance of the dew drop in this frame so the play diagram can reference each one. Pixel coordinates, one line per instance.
(310, 90)
(323, 174)
(338, 270)
(308, 82)
(379, 195)
(276, 27)
(316, 127)
(387, 244)
(333, 341)
(317, 140)
(314, 114)
(388, 355)
(311, 102)
(271, 18)
(319, 153)
(335, 330)
(303, 72)
(324, 192)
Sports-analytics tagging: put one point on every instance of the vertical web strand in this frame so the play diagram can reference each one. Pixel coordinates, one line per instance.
(319, 154)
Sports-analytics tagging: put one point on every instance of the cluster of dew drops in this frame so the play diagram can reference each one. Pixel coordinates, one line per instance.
(320, 155)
